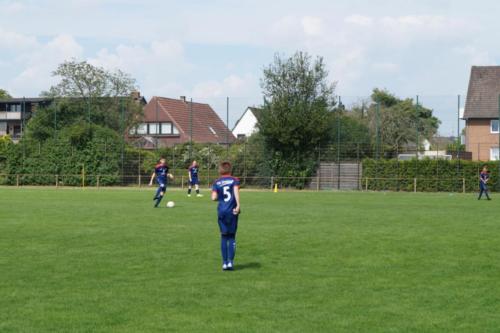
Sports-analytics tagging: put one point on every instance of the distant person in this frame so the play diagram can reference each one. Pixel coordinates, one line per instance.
(226, 190)
(484, 177)
(161, 174)
(193, 179)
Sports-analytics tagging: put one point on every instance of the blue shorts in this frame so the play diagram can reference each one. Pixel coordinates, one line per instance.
(162, 185)
(194, 181)
(228, 223)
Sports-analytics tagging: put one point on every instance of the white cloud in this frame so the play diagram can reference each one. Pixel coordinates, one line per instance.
(232, 85)
(474, 56)
(158, 66)
(313, 26)
(10, 40)
(359, 20)
(12, 7)
(385, 67)
(40, 61)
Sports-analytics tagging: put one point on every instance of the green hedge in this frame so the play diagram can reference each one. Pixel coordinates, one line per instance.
(430, 175)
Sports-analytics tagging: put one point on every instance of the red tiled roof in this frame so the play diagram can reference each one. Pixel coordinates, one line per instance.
(484, 89)
(178, 111)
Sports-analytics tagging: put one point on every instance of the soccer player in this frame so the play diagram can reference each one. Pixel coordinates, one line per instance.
(162, 176)
(193, 179)
(226, 190)
(484, 176)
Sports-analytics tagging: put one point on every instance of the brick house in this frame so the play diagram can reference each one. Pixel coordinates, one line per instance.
(168, 122)
(482, 113)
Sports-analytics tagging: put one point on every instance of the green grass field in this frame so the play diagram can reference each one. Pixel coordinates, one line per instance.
(75, 260)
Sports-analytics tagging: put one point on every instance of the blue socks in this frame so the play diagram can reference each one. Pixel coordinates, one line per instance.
(228, 247)
(223, 248)
(158, 199)
(231, 251)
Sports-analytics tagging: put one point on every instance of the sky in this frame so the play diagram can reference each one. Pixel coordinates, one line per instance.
(210, 50)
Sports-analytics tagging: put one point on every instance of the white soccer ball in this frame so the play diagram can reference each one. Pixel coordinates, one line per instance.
(170, 204)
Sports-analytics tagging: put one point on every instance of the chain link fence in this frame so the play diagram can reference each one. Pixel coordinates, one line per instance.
(357, 158)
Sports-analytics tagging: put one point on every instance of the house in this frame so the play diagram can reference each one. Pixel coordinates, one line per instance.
(168, 122)
(15, 113)
(247, 124)
(482, 113)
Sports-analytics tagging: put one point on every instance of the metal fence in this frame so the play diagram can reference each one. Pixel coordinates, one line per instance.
(115, 164)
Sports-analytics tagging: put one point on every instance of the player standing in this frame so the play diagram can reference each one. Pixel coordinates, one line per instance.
(226, 190)
(193, 179)
(484, 176)
(162, 176)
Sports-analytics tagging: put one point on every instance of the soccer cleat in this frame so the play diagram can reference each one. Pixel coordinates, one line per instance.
(199, 195)
(189, 195)
(229, 266)
(224, 267)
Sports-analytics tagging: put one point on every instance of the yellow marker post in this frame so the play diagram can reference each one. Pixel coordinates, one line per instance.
(275, 188)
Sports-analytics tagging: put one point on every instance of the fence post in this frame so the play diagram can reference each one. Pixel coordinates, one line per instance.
(17, 180)
(182, 182)
(463, 185)
(139, 169)
(83, 176)
(415, 185)
(57, 181)
(272, 182)
(317, 182)
(366, 184)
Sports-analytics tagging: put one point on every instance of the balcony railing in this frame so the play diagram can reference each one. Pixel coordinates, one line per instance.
(10, 115)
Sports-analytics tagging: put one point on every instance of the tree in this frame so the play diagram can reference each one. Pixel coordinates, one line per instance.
(296, 116)
(4, 94)
(86, 95)
(399, 122)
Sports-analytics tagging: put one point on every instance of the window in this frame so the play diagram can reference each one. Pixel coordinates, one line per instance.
(153, 128)
(175, 130)
(166, 128)
(494, 126)
(494, 154)
(142, 129)
(15, 108)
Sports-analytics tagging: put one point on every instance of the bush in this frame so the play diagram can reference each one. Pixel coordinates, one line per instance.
(430, 175)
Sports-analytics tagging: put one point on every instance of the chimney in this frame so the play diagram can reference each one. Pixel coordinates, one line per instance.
(136, 95)
(183, 98)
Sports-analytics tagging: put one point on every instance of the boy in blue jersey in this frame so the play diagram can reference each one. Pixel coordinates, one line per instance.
(193, 179)
(161, 174)
(226, 190)
(484, 176)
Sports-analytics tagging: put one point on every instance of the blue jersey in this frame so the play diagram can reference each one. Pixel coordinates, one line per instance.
(484, 176)
(224, 186)
(161, 172)
(193, 171)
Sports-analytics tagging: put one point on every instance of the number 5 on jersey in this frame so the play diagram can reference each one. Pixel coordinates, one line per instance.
(227, 194)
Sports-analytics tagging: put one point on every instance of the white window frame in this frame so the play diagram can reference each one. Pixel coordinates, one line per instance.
(142, 129)
(175, 131)
(153, 128)
(166, 128)
(491, 126)
(494, 154)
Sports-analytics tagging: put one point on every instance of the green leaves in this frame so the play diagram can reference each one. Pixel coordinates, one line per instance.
(296, 114)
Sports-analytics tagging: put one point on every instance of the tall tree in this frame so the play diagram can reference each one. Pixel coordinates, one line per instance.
(86, 95)
(399, 122)
(296, 116)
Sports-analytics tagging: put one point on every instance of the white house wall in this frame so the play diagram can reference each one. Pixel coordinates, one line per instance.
(247, 125)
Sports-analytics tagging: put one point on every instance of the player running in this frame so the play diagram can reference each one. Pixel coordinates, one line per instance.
(484, 176)
(193, 179)
(226, 190)
(162, 176)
